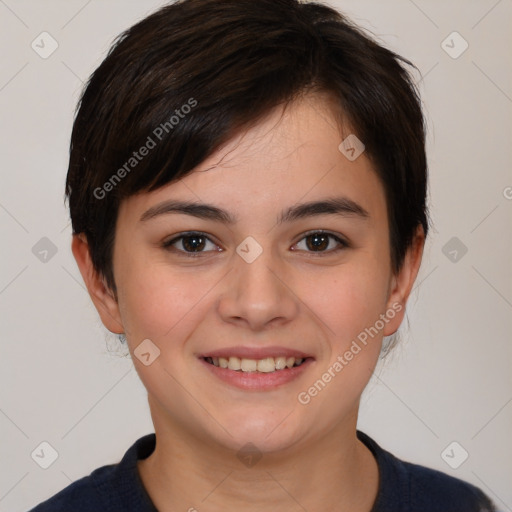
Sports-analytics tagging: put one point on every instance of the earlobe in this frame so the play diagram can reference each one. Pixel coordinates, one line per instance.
(101, 295)
(402, 283)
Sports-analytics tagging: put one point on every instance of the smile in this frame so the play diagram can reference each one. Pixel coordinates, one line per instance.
(256, 369)
(265, 365)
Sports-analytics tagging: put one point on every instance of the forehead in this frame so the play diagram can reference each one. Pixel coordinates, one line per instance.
(292, 155)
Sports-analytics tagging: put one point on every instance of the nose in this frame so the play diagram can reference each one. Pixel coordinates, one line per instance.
(258, 293)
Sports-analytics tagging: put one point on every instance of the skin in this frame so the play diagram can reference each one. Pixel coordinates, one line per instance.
(292, 295)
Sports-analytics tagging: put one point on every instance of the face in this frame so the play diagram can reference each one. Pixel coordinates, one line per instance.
(288, 266)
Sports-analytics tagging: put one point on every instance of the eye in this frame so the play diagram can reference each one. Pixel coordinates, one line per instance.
(191, 244)
(194, 244)
(321, 242)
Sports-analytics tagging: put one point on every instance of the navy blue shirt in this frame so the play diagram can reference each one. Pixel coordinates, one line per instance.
(403, 487)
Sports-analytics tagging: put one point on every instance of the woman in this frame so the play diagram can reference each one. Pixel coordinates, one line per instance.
(247, 186)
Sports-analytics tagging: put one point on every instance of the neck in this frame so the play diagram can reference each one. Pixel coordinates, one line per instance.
(335, 472)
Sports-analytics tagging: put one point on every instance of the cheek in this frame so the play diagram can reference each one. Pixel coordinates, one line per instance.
(347, 300)
(155, 301)
(349, 304)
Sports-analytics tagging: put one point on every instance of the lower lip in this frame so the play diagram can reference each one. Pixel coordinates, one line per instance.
(258, 381)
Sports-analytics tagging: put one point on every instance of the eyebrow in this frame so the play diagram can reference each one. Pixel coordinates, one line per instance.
(341, 206)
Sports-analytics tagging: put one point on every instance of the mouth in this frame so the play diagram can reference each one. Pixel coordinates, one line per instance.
(265, 365)
(256, 369)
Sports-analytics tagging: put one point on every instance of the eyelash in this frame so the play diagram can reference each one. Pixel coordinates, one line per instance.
(168, 245)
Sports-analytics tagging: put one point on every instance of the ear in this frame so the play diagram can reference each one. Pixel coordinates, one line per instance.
(402, 283)
(101, 295)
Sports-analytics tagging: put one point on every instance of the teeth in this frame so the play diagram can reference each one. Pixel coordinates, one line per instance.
(267, 365)
(248, 365)
(234, 363)
(280, 363)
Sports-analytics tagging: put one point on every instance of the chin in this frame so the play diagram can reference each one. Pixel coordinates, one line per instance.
(268, 431)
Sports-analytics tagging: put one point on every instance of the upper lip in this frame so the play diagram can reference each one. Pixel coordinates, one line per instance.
(256, 352)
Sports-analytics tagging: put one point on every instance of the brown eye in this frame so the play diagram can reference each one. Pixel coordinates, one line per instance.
(318, 241)
(191, 244)
(321, 242)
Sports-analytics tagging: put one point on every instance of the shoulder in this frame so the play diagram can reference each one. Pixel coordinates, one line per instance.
(405, 487)
(430, 488)
(81, 496)
(109, 488)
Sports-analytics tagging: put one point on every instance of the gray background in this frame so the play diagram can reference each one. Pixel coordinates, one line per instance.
(63, 379)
